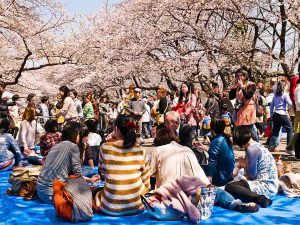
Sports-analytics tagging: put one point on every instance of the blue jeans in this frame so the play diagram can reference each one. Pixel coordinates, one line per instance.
(278, 122)
(225, 200)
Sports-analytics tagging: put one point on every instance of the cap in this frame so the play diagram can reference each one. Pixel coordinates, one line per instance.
(137, 90)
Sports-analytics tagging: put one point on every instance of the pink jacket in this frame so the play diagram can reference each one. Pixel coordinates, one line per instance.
(176, 195)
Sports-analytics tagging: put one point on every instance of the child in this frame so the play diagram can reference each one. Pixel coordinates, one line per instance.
(226, 116)
(205, 130)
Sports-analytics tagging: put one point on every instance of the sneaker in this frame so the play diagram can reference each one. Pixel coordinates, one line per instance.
(289, 150)
(246, 207)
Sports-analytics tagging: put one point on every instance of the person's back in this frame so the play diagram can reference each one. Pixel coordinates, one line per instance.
(124, 172)
(221, 161)
(63, 160)
(172, 161)
(10, 153)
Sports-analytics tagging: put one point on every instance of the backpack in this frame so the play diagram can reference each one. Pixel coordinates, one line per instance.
(206, 123)
(227, 119)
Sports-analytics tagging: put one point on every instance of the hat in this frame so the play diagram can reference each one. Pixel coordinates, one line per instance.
(137, 90)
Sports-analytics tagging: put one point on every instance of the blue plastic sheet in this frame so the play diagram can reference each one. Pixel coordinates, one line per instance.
(14, 210)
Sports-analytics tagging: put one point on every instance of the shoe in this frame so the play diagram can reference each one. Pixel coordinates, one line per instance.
(263, 201)
(290, 151)
(246, 207)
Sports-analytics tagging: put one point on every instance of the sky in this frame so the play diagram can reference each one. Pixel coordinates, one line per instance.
(86, 6)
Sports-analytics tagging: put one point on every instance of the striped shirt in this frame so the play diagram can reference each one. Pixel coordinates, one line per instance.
(126, 179)
(62, 161)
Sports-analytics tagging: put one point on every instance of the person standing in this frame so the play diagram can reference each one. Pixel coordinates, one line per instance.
(44, 110)
(297, 120)
(78, 103)
(88, 110)
(137, 108)
(280, 118)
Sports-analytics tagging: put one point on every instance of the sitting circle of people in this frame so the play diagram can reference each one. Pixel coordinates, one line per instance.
(91, 156)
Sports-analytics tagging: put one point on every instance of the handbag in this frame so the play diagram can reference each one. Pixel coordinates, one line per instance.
(73, 199)
(24, 180)
(157, 209)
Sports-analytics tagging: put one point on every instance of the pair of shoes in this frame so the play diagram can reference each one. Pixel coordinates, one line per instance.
(263, 201)
(246, 207)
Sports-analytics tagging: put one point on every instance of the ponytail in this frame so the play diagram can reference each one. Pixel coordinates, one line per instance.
(127, 126)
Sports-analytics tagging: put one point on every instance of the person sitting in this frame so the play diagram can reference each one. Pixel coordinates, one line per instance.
(86, 155)
(62, 161)
(186, 137)
(261, 172)
(27, 131)
(10, 154)
(50, 138)
(171, 161)
(124, 165)
(221, 156)
(94, 140)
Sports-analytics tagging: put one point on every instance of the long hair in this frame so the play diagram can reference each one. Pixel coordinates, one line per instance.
(187, 135)
(218, 127)
(29, 113)
(126, 125)
(280, 88)
(65, 90)
(189, 92)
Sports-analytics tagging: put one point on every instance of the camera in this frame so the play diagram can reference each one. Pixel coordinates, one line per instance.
(238, 105)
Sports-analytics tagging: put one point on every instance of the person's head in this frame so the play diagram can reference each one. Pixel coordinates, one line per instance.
(224, 107)
(215, 88)
(51, 126)
(71, 132)
(31, 98)
(29, 113)
(164, 136)
(88, 98)
(2, 87)
(172, 120)
(91, 125)
(84, 133)
(242, 75)
(15, 98)
(137, 93)
(260, 85)
(186, 89)
(161, 92)
(4, 125)
(59, 105)
(242, 136)
(218, 126)
(64, 92)
(187, 135)
(44, 99)
(280, 88)
(73, 93)
(125, 128)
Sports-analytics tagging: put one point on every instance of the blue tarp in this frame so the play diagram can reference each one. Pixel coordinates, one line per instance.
(14, 210)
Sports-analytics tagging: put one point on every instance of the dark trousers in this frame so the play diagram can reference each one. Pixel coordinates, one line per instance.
(241, 190)
(278, 122)
(297, 146)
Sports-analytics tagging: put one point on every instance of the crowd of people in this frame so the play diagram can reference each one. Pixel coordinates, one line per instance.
(194, 136)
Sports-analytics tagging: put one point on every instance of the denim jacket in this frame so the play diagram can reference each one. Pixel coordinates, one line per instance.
(9, 148)
(221, 161)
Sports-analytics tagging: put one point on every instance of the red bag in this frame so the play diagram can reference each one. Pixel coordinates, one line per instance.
(268, 131)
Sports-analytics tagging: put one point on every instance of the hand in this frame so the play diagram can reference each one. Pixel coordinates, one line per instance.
(95, 178)
(242, 162)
